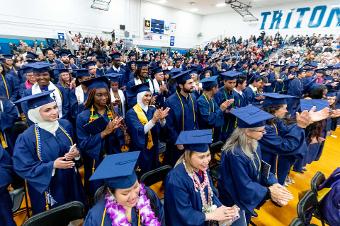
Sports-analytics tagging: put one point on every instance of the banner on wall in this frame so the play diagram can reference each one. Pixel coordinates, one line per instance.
(320, 16)
(159, 30)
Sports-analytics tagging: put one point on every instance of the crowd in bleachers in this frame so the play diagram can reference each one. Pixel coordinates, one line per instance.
(268, 102)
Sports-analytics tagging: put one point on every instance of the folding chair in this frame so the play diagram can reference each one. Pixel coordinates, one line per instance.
(99, 194)
(58, 216)
(215, 151)
(307, 208)
(17, 196)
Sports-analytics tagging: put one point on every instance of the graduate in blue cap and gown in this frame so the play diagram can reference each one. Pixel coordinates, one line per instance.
(100, 130)
(161, 91)
(123, 200)
(6, 174)
(226, 96)
(210, 115)
(44, 156)
(282, 144)
(79, 95)
(100, 65)
(64, 63)
(64, 78)
(8, 85)
(190, 197)
(182, 115)
(252, 91)
(118, 98)
(143, 122)
(29, 76)
(91, 67)
(8, 115)
(118, 68)
(59, 94)
(240, 98)
(245, 180)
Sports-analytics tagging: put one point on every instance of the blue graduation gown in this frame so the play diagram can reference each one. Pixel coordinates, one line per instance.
(124, 78)
(9, 87)
(240, 100)
(6, 173)
(209, 115)
(250, 95)
(65, 185)
(241, 181)
(8, 115)
(148, 158)
(282, 146)
(96, 213)
(182, 204)
(76, 107)
(177, 122)
(64, 98)
(229, 123)
(94, 148)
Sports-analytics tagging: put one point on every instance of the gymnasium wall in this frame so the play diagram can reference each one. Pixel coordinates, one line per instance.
(306, 17)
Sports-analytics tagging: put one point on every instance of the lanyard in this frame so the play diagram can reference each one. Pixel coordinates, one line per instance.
(182, 105)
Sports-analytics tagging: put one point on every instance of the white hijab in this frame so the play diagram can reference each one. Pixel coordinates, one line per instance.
(140, 100)
(35, 117)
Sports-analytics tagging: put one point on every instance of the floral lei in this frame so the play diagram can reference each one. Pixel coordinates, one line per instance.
(116, 211)
(207, 206)
(94, 116)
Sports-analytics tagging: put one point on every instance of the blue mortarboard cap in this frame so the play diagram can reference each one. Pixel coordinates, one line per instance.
(175, 71)
(31, 55)
(320, 70)
(64, 52)
(81, 72)
(209, 82)
(37, 100)
(115, 56)
(141, 88)
(178, 59)
(88, 64)
(166, 71)
(157, 70)
(195, 140)
(336, 66)
(313, 64)
(142, 63)
(310, 85)
(97, 83)
(230, 75)
(101, 58)
(308, 104)
(61, 70)
(40, 67)
(182, 77)
(250, 116)
(26, 68)
(7, 56)
(275, 99)
(118, 170)
(331, 94)
(113, 77)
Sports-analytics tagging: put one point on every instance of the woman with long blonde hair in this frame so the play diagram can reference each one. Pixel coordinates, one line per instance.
(245, 180)
(190, 197)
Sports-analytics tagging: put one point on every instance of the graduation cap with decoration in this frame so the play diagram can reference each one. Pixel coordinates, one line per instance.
(230, 75)
(307, 104)
(272, 99)
(97, 83)
(250, 116)
(37, 100)
(195, 140)
(209, 82)
(118, 170)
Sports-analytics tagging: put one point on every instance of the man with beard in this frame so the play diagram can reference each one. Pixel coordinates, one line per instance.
(182, 115)
(117, 68)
